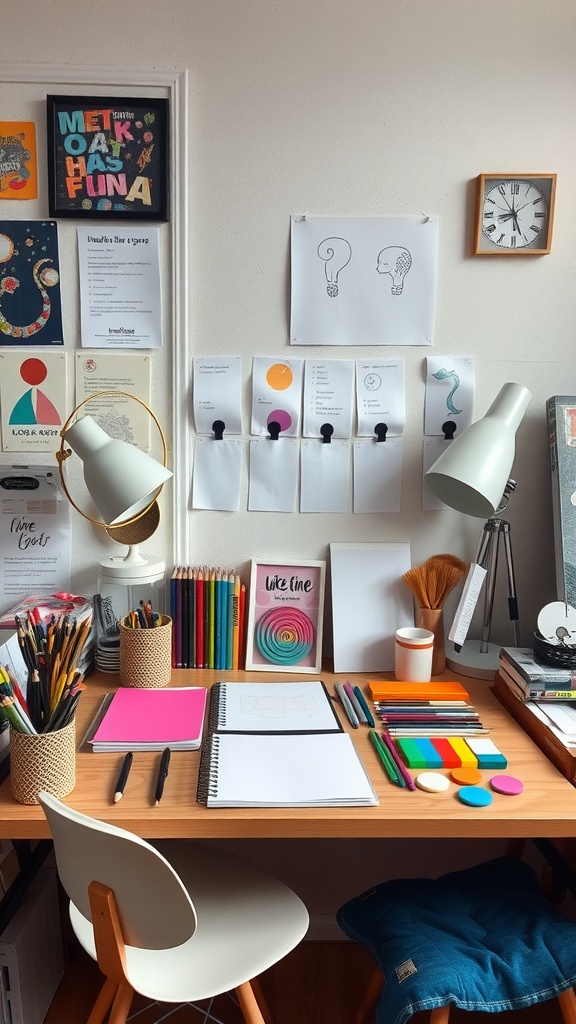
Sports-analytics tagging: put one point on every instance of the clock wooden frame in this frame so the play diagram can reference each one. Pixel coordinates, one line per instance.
(483, 246)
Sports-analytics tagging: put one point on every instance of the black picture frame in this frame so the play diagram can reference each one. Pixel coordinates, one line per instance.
(108, 157)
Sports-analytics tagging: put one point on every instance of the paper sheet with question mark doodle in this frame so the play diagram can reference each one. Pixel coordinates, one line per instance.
(363, 280)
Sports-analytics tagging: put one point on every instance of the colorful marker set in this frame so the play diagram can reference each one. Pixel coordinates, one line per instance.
(142, 617)
(452, 752)
(354, 704)
(207, 606)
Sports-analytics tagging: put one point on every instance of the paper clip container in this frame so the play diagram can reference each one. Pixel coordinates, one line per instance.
(146, 654)
(44, 761)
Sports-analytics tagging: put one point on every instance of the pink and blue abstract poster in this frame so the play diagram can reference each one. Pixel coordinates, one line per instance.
(30, 300)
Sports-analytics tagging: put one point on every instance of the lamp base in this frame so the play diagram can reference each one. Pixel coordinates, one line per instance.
(128, 572)
(472, 662)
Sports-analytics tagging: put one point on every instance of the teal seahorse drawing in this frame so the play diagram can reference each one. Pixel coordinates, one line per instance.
(442, 375)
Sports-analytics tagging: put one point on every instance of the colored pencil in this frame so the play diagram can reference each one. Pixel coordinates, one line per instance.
(242, 631)
(185, 618)
(206, 614)
(230, 621)
(199, 619)
(236, 623)
(211, 617)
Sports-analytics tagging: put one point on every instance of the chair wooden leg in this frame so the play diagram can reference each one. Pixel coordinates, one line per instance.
(261, 1000)
(103, 1002)
(369, 1000)
(248, 1004)
(440, 1015)
(121, 1005)
(110, 955)
(567, 1001)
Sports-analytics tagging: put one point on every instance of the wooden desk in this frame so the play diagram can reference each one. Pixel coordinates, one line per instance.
(547, 807)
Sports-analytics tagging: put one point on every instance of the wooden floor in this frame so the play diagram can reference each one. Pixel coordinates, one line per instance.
(318, 983)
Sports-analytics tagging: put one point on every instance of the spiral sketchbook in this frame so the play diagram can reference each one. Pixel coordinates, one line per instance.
(272, 708)
(286, 770)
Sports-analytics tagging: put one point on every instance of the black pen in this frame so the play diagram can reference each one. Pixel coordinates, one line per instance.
(162, 775)
(123, 777)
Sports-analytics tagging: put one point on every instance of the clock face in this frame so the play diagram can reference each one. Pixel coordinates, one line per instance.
(514, 213)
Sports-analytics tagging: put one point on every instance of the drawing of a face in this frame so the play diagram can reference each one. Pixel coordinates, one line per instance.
(396, 261)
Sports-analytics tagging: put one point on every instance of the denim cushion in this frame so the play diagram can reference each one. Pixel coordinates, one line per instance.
(485, 938)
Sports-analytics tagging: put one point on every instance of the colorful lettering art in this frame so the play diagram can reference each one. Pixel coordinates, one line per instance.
(109, 157)
(18, 178)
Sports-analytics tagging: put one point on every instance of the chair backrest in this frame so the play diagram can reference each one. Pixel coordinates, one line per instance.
(154, 907)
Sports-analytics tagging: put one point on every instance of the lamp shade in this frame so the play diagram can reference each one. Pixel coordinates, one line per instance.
(122, 480)
(470, 476)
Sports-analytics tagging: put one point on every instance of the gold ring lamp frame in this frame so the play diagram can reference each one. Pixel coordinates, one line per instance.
(118, 475)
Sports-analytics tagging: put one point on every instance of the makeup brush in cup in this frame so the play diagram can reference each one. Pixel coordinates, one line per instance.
(430, 584)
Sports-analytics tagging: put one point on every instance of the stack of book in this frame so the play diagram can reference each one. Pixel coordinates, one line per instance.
(528, 679)
(207, 606)
(535, 718)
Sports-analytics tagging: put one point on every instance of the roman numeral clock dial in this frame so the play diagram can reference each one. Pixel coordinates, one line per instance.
(514, 214)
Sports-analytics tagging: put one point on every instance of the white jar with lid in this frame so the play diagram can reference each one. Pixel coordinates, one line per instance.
(126, 585)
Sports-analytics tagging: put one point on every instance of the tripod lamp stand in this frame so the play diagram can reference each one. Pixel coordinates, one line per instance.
(472, 476)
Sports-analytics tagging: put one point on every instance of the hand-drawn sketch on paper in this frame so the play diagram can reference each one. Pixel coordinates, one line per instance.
(336, 253)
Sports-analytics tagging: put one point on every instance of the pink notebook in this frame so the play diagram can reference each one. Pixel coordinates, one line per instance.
(152, 720)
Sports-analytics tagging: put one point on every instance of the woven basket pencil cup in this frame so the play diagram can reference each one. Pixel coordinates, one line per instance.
(146, 654)
(44, 761)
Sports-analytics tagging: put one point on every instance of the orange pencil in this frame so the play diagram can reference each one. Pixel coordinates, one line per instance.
(236, 622)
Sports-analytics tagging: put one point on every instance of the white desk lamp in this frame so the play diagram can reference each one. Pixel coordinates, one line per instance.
(123, 481)
(472, 476)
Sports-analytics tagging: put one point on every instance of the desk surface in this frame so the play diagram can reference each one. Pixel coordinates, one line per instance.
(547, 807)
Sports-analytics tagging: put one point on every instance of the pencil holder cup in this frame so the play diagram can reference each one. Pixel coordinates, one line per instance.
(413, 649)
(146, 655)
(43, 761)
(433, 619)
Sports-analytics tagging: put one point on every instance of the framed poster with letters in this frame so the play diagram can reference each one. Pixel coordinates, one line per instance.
(285, 616)
(108, 158)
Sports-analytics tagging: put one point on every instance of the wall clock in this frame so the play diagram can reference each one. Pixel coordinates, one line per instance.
(514, 214)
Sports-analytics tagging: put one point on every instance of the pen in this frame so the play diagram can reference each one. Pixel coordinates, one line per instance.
(350, 713)
(386, 759)
(362, 702)
(355, 703)
(123, 777)
(410, 784)
(162, 775)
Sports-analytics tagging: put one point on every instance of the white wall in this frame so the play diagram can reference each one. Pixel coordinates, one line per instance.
(352, 107)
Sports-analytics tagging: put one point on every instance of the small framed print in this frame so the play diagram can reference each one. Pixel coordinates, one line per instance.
(108, 157)
(514, 214)
(285, 616)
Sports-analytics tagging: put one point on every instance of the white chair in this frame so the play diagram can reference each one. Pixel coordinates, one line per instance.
(177, 922)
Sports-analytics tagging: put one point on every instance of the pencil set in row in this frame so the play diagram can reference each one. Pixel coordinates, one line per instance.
(208, 607)
(51, 654)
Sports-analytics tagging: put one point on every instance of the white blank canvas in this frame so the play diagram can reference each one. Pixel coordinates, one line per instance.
(370, 601)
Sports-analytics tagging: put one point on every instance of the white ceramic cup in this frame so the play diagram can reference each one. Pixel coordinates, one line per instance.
(413, 649)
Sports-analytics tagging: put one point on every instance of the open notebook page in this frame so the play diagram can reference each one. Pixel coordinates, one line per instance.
(287, 770)
(272, 707)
